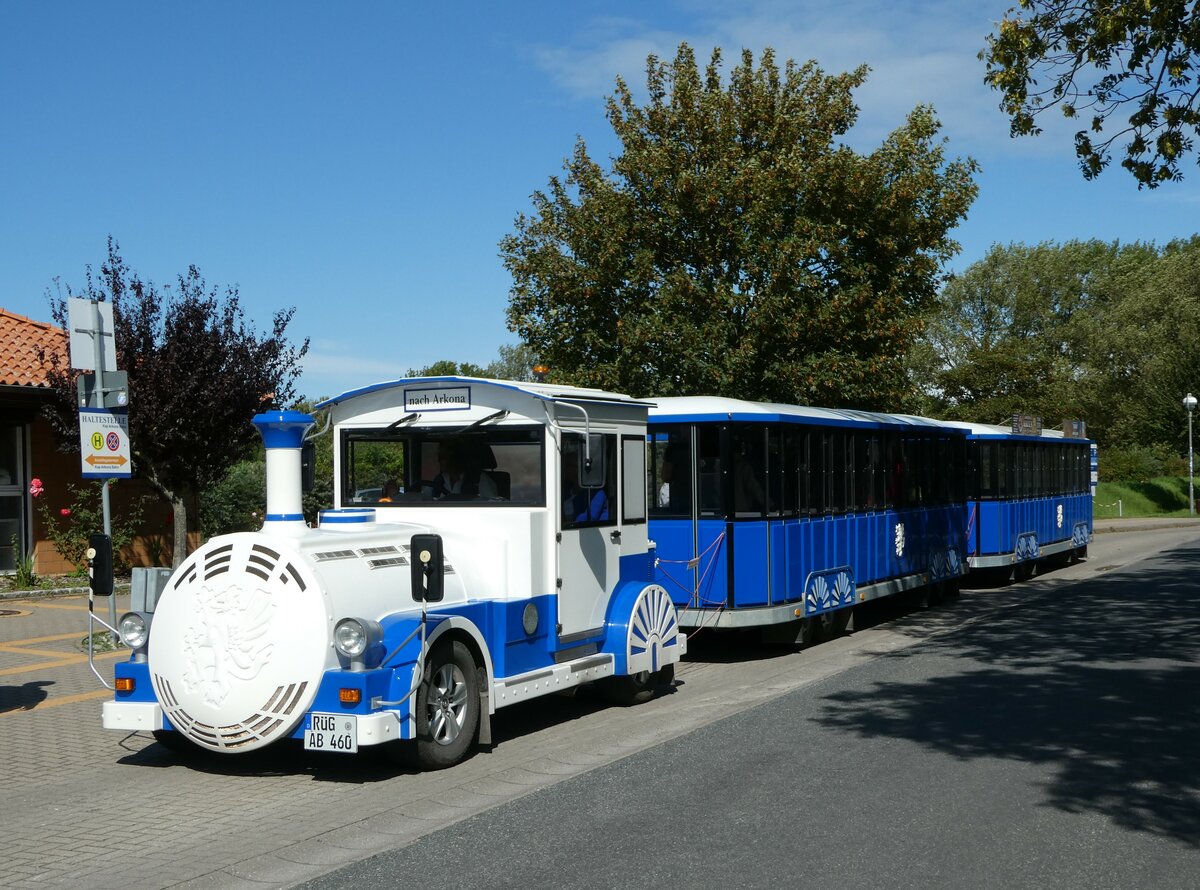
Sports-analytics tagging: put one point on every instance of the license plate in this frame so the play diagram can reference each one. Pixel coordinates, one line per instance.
(332, 732)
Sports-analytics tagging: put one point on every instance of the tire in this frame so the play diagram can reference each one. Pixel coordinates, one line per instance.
(633, 689)
(447, 707)
(797, 632)
(834, 624)
(176, 743)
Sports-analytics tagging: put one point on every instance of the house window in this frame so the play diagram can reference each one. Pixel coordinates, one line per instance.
(12, 495)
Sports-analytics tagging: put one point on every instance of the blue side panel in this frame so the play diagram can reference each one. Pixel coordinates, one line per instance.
(714, 558)
(673, 538)
(781, 557)
(1001, 523)
(750, 559)
(637, 567)
(524, 652)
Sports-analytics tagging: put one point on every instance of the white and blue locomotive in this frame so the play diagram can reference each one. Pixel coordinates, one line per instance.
(489, 546)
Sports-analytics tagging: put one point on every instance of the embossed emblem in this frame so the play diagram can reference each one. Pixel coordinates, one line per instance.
(1060, 515)
(226, 641)
(899, 539)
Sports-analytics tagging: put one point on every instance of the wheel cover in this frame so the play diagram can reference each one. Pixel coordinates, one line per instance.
(653, 628)
(237, 644)
(447, 703)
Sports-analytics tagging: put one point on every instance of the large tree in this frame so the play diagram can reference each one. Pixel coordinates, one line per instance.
(198, 372)
(1127, 69)
(737, 245)
(1101, 331)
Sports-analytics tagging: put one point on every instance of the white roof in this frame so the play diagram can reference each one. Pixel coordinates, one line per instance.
(548, 391)
(695, 407)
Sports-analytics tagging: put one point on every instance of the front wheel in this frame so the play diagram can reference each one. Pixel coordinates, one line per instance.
(447, 707)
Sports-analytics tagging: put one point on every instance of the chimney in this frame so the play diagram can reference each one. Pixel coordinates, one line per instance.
(283, 435)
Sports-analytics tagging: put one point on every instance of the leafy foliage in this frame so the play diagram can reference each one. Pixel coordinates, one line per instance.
(737, 246)
(198, 372)
(1098, 59)
(68, 528)
(236, 503)
(513, 363)
(1104, 332)
(1141, 463)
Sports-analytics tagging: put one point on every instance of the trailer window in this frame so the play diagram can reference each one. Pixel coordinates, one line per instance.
(669, 471)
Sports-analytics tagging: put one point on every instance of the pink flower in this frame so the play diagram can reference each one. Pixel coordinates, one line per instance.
(65, 511)
(35, 487)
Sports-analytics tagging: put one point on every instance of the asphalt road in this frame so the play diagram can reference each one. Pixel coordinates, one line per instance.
(1049, 745)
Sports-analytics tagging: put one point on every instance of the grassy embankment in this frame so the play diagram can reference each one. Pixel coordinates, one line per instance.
(1162, 496)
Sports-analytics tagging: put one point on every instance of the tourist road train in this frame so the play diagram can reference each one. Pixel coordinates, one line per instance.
(494, 542)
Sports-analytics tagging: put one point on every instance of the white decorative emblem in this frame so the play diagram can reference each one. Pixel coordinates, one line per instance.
(899, 538)
(1060, 516)
(226, 640)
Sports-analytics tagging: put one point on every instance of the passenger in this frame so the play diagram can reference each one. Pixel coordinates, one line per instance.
(391, 490)
(580, 504)
(456, 480)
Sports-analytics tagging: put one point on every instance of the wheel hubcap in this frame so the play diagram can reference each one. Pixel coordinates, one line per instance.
(447, 704)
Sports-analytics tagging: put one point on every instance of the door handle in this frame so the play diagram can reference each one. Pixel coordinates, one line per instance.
(615, 536)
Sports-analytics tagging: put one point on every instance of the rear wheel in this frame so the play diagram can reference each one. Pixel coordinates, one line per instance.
(834, 624)
(633, 689)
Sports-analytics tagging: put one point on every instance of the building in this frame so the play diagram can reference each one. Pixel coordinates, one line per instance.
(29, 449)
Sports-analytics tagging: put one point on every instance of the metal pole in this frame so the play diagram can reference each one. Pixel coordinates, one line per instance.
(98, 399)
(1191, 473)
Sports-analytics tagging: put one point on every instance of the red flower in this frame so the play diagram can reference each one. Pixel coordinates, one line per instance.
(35, 487)
(65, 511)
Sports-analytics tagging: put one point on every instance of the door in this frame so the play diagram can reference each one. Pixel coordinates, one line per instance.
(589, 538)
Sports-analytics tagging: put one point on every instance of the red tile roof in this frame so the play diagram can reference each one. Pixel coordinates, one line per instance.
(23, 342)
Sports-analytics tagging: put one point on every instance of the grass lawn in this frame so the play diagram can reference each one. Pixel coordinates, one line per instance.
(1162, 496)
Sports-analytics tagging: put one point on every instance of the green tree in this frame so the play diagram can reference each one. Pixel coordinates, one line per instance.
(1126, 68)
(738, 246)
(1105, 332)
(447, 368)
(1147, 351)
(512, 363)
(198, 372)
(1014, 332)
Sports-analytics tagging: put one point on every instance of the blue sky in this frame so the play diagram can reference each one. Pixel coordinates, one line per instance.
(361, 161)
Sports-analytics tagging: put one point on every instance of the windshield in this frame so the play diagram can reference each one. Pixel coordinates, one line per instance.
(494, 466)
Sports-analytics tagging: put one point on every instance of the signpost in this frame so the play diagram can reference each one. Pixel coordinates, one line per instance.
(104, 448)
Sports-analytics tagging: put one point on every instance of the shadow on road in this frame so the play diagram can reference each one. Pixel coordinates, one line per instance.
(25, 697)
(1098, 678)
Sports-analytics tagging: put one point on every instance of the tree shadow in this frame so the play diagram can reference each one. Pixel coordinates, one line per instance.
(1097, 678)
(25, 697)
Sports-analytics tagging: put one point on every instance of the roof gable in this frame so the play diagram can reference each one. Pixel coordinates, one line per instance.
(23, 343)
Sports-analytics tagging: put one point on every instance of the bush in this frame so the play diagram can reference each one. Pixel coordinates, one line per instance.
(69, 527)
(1140, 463)
(236, 503)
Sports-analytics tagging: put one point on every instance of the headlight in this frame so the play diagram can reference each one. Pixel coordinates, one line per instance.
(352, 637)
(134, 630)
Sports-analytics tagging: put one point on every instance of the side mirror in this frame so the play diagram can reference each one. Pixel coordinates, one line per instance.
(308, 466)
(425, 562)
(100, 565)
(591, 462)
